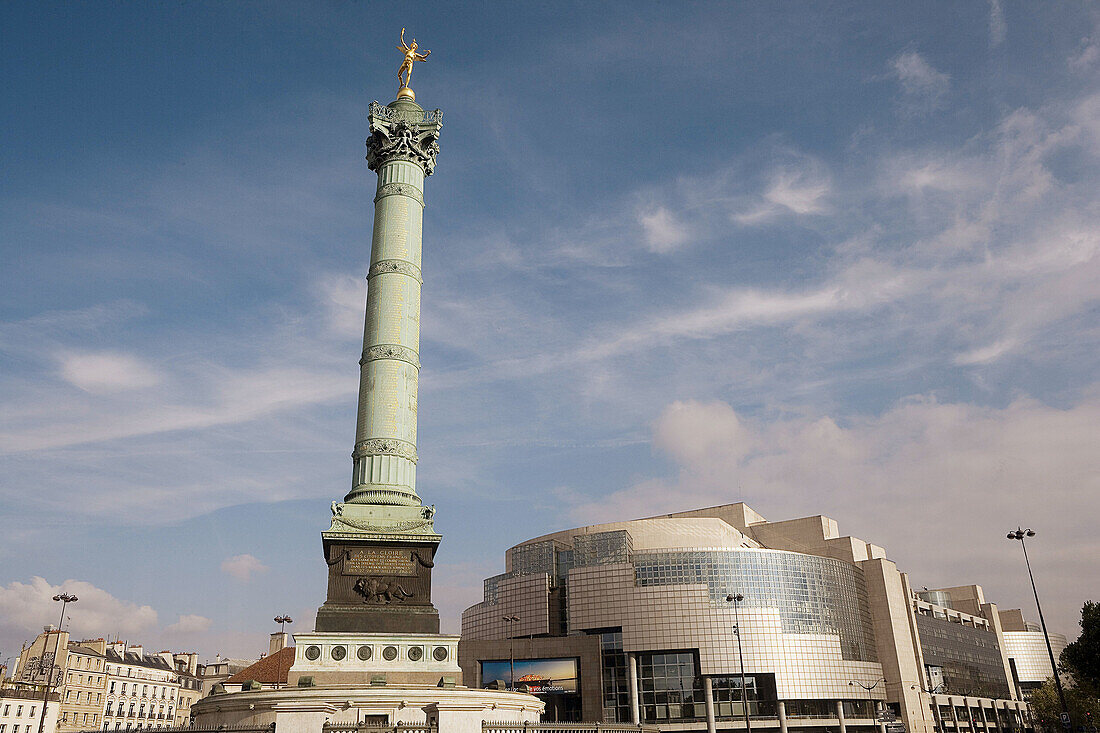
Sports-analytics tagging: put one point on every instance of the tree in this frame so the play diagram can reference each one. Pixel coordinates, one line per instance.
(1084, 707)
(1082, 657)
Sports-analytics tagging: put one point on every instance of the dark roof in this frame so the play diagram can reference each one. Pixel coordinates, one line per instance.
(74, 647)
(145, 660)
(272, 670)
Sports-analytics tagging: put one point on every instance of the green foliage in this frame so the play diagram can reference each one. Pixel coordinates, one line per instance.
(1082, 657)
(1084, 707)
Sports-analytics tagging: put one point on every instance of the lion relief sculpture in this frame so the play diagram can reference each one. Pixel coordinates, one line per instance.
(374, 590)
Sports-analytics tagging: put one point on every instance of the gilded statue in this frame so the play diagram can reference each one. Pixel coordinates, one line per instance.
(411, 56)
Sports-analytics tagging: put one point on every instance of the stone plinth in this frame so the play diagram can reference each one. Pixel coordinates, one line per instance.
(376, 659)
(307, 709)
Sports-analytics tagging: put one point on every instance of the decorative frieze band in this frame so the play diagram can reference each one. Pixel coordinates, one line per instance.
(399, 189)
(432, 117)
(390, 351)
(399, 266)
(385, 447)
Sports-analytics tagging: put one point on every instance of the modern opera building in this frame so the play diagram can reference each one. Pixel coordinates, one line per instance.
(630, 622)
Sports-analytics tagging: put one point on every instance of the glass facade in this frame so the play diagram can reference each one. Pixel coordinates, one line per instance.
(602, 548)
(970, 657)
(670, 688)
(616, 683)
(814, 595)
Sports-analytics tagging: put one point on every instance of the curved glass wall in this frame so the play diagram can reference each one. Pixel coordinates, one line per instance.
(814, 595)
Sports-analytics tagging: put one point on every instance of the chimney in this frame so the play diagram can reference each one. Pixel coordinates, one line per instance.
(138, 650)
(278, 642)
(118, 647)
(186, 662)
(99, 645)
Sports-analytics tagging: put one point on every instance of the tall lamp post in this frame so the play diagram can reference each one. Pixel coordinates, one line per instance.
(511, 652)
(65, 599)
(1019, 534)
(869, 688)
(282, 620)
(735, 599)
(935, 705)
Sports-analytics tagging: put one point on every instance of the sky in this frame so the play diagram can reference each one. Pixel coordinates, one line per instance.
(831, 258)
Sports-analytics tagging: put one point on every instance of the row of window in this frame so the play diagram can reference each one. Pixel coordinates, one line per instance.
(141, 711)
(18, 711)
(14, 728)
(87, 699)
(76, 718)
(161, 692)
(118, 726)
(85, 679)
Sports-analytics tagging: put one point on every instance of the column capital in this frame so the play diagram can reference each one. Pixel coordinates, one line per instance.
(403, 131)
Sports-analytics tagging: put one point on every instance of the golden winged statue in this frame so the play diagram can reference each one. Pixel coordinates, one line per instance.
(411, 56)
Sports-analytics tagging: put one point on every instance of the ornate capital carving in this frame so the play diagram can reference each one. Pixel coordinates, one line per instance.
(385, 447)
(399, 266)
(403, 135)
(390, 351)
(399, 189)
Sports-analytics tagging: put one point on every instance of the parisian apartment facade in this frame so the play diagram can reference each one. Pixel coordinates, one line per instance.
(102, 685)
(641, 622)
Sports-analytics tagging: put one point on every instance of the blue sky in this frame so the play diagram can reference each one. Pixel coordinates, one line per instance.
(838, 259)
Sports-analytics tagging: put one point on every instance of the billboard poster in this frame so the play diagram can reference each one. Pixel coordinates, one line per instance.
(536, 676)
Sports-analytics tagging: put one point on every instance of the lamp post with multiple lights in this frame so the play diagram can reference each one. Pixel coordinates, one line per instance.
(65, 599)
(282, 621)
(735, 599)
(1019, 534)
(511, 652)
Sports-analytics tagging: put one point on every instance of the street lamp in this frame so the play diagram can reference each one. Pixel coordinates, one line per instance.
(511, 651)
(65, 599)
(868, 688)
(735, 599)
(935, 705)
(1019, 534)
(281, 620)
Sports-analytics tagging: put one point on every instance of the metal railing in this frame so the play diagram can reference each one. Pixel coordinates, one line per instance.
(373, 727)
(514, 727)
(191, 729)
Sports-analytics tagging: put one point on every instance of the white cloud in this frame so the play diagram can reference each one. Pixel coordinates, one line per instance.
(662, 230)
(26, 607)
(918, 79)
(1086, 56)
(343, 298)
(189, 623)
(243, 567)
(105, 371)
(997, 26)
(986, 354)
(799, 191)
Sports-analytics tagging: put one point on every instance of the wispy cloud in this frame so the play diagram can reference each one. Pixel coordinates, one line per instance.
(107, 372)
(189, 623)
(921, 84)
(662, 230)
(793, 191)
(243, 567)
(997, 26)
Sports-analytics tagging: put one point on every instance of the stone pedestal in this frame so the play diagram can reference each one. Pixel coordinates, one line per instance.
(379, 660)
(379, 583)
